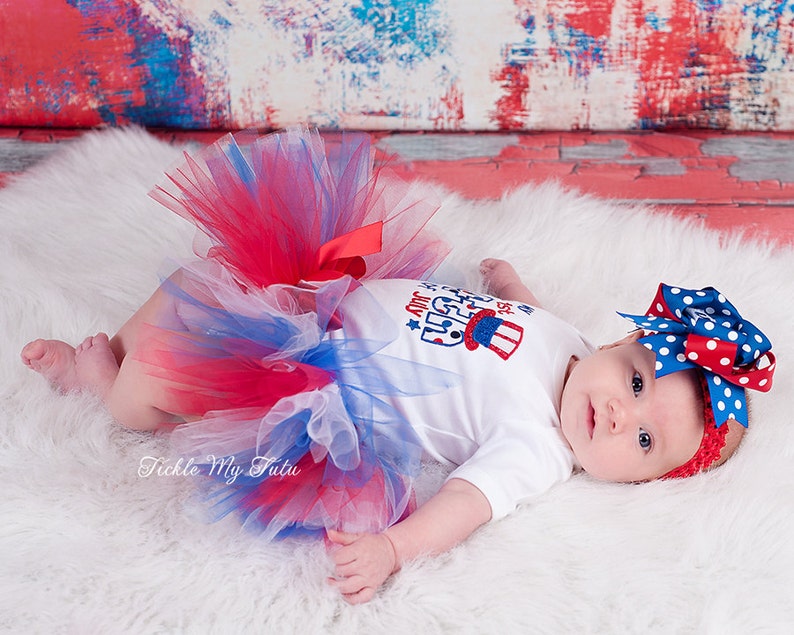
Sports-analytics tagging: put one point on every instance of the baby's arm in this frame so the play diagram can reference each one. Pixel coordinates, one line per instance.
(502, 281)
(365, 561)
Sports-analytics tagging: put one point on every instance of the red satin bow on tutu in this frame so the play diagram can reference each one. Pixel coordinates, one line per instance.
(344, 255)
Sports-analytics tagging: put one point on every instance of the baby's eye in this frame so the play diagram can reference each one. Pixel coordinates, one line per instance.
(645, 440)
(636, 384)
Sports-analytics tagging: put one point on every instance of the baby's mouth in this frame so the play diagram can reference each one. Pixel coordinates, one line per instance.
(590, 420)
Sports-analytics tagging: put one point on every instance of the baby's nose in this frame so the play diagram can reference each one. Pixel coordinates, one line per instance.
(618, 416)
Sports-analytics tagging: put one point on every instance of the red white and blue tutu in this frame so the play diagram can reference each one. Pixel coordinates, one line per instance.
(287, 420)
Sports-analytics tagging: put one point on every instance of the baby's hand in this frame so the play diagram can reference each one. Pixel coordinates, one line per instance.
(361, 564)
(498, 275)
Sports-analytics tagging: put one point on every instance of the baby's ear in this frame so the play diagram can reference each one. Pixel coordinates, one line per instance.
(630, 338)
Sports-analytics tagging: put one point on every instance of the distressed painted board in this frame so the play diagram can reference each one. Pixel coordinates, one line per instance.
(399, 64)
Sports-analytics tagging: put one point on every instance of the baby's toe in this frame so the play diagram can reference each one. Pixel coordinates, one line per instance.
(33, 352)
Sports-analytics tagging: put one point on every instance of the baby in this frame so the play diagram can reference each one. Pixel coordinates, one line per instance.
(618, 419)
(338, 386)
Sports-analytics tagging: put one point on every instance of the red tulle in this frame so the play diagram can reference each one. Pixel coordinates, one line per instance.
(201, 381)
(350, 506)
(272, 205)
(247, 338)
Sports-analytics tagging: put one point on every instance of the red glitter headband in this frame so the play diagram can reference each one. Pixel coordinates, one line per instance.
(710, 446)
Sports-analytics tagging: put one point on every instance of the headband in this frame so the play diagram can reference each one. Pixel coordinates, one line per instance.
(701, 329)
(710, 445)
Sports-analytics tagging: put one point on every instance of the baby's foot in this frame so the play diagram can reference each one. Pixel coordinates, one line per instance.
(498, 275)
(96, 364)
(54, 360)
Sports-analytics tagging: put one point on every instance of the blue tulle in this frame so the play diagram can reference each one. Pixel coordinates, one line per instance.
(374, 436)
(261, 359)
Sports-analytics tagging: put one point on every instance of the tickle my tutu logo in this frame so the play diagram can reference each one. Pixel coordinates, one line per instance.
(225, 468)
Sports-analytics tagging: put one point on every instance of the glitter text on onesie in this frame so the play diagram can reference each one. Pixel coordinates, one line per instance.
(448, 316)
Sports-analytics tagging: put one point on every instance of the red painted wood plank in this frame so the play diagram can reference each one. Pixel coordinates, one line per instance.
(670, 170)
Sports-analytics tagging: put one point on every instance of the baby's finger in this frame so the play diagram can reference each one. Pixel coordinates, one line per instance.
(346, 570)
(341, 537)
(341, 556)
(349, 586)
(365, 595)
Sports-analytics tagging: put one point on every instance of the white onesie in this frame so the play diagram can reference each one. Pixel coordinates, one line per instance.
(500, 423)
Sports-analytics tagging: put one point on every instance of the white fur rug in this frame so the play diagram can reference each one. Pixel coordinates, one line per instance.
(89, 546)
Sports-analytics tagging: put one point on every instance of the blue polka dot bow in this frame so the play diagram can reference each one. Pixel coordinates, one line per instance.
(701, 329)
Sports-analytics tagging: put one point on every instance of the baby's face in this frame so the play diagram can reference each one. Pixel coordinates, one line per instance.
(622, 423)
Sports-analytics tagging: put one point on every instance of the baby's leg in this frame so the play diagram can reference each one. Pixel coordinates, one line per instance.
(158, 309)
(104, 366)
(129, 392)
